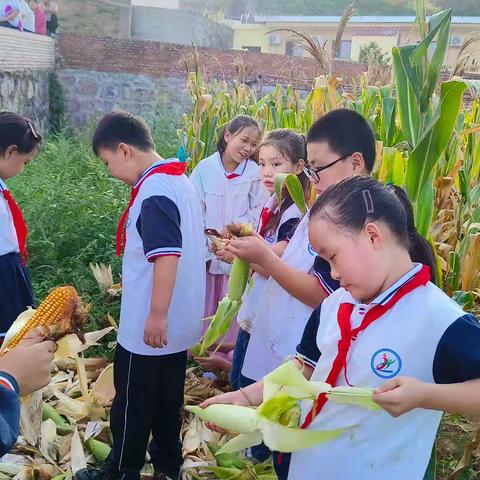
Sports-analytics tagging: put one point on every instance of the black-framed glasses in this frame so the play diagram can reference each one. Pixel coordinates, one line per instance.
(313, 173)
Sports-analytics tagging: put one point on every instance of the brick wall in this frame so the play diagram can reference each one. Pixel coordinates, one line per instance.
(167, 60)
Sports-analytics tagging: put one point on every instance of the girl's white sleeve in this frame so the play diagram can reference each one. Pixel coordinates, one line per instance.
(257, 198)
(196, 179)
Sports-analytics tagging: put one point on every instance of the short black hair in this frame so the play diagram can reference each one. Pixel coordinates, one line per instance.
(18, 130)
(122, 127)
(345, 132)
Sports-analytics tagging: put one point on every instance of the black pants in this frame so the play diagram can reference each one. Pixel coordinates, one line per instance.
(149, 399)
(16, 292)
(52, 25)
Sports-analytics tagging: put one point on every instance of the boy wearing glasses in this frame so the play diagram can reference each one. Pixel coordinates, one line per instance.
(339, 145)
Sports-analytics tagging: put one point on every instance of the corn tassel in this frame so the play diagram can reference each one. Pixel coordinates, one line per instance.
(230, 304)
(60, 313)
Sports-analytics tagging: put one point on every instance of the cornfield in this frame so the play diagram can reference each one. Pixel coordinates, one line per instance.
(427, 140)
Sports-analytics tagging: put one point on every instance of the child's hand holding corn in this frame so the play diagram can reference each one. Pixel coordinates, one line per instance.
(30, 362)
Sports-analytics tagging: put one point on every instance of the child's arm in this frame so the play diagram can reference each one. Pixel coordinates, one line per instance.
(402, 394)
(159, 228)
(456, 372)
(303, 286)
(156, 326)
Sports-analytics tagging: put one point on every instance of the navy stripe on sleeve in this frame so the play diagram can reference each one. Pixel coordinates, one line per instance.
(9, 414)
(307, 349)
(159, 227)
(322, 271)
(457, 358)
(287, 229)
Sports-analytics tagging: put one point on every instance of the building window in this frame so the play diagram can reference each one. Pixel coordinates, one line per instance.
(292, 49)
(345, 49)
(253, 49)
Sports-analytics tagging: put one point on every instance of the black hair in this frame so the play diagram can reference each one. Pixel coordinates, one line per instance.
(345, 132)
(357, 200)
(122, 127)
(292, 146)
(235, 126)
(19, 131)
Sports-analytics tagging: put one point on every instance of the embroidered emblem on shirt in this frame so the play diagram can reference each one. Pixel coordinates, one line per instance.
(386, 363)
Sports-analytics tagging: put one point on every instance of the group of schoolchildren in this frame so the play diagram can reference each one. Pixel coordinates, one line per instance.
(347, 290)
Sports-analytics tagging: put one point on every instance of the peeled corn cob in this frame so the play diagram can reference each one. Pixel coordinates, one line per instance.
(230, 304)
(60, 313)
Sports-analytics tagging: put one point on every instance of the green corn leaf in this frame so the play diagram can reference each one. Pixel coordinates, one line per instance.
(436, 64)
(294, 188)
(224, 473)
(421, 9)
(408, 106)
(427, 152)
(424, 209)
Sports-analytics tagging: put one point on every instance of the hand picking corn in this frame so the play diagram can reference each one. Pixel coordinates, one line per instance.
(230, 304)
(59, 314)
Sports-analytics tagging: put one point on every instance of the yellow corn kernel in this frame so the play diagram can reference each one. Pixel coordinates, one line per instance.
(59, 305)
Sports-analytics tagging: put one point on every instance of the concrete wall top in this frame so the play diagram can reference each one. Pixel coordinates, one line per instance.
(25, 51)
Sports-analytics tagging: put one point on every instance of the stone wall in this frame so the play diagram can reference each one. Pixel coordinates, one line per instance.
(90, 94)
(27, 93)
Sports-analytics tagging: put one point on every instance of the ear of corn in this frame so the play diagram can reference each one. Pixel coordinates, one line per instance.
(230, 304)
(63, 427)
(276, 421)
(60, 313)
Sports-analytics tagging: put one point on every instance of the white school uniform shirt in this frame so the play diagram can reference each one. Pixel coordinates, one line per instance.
(246, 314)
(239, 200)
(165, 219)
(425, 335)
(8, 235)
(281, 318)
(28, 17)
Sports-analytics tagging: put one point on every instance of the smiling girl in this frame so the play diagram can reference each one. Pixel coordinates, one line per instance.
(229, 186)
(19, 143)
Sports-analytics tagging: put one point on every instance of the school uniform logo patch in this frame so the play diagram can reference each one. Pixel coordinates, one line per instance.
(386, 363)
(311, 251)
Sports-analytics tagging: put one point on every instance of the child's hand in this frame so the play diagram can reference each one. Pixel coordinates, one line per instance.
(252, 249)
(400, 395)
(155, 333)
(231, 398)
(30, 363)
(224, 256)
(214, 362)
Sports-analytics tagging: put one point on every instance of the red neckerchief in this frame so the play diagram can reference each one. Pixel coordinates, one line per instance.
(265, 217)
(231, 176)
(347, 334)
(173, 168)
(18, 223)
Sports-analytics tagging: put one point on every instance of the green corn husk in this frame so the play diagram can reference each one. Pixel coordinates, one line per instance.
(63, 427)
(230, 304)
(98, 449)
(276, 421)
